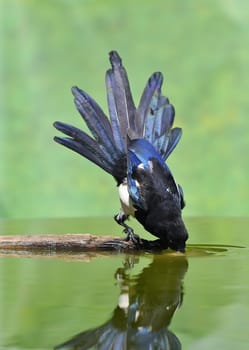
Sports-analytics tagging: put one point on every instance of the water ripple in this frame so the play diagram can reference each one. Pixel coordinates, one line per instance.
(210, 249)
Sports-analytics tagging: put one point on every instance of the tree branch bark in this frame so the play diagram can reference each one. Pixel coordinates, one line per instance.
(72, 243)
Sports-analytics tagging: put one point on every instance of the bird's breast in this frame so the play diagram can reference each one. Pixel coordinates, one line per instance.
(125, 199)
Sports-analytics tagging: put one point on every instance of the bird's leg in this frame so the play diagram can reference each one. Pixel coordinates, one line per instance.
(130, 234)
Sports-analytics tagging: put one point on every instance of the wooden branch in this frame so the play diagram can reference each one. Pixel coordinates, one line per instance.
(71, 243)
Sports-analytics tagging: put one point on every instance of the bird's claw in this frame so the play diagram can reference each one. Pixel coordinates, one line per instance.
(131, 236)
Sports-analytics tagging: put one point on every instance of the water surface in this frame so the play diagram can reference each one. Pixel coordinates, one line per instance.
(198, 300)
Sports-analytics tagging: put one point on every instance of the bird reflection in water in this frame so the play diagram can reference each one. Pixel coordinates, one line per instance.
(146, 305)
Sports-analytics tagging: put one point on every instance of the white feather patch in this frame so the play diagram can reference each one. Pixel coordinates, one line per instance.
(126, 201)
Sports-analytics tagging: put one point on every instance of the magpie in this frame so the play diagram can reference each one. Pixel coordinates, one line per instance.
(133, 146)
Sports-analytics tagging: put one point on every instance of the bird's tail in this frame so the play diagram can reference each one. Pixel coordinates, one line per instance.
(107, 147)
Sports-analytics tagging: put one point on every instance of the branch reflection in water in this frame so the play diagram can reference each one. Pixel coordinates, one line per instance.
(146, 305)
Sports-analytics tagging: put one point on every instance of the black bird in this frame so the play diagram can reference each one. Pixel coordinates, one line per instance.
(133, 146)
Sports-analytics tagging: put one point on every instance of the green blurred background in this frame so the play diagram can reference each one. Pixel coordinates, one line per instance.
(47, 46)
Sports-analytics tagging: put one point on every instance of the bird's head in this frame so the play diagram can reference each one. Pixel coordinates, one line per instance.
(177, 235)
(171, 231)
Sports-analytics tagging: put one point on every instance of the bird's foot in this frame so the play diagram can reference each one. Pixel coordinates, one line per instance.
(131, 236)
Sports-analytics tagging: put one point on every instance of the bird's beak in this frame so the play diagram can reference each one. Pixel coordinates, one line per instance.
(181, 250)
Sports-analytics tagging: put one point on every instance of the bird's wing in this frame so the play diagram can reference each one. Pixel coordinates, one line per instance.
(180, 190)
(85, 145)
(144, 151)
(140, 152)
(105, 337)
(149, 178)
(94, 117)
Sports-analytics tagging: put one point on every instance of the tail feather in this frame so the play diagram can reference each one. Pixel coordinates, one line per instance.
(150, 94)
(161, 124)
(174, 138)
(115, 121)
(167, 116)
(152, 121)
(120, 89)
(161, 144)
(155, 117)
